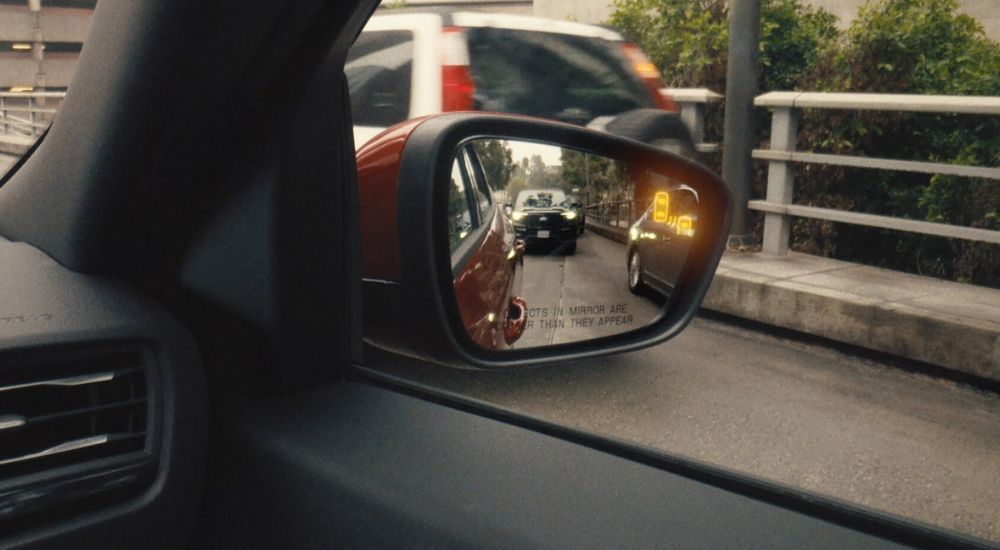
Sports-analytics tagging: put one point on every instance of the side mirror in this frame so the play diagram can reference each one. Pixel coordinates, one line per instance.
(447, 277)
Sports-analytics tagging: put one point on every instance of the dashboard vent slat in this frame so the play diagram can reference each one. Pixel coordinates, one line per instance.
(66, 447)
(8, 421)
(86, 410)
(72, 412)
(68, 381)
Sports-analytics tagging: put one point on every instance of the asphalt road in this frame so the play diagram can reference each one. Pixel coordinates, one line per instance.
(790, 411)
(580, 297)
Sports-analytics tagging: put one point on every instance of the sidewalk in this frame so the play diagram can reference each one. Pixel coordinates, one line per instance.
(952, 325)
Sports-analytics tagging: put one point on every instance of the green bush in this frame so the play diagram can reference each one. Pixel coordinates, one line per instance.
(909, 47)
(689, 39)
(893, 46)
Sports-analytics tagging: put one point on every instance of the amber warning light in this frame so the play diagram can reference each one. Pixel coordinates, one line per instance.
(661, 207)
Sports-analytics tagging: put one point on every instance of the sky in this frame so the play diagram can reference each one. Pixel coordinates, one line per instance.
(550, 154)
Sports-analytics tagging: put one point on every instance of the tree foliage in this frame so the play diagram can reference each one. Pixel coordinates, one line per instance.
(497, 159)
(594, 178)
(689, 39)
(909, 47)
(893, 46)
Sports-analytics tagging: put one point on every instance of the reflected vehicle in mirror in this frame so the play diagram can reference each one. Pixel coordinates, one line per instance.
(543, 219)
(572, 280)
(485, 256)
(659, 240)
(576, 205)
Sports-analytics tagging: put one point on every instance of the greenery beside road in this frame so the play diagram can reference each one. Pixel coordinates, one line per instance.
(893, 46)
(593, 178)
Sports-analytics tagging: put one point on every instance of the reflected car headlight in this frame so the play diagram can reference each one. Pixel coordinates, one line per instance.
(633, 233)
(569, 215)
(517, 216)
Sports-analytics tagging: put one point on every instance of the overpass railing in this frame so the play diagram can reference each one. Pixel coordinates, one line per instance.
(694, 103)
(28, 114)
(778, 207)
(621, 213)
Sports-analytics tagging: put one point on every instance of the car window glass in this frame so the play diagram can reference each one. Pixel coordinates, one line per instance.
(563, 77)
(546, 198)
(379, 73)
(36, 68)
(460, 222)
(480, 189)
(782, 393)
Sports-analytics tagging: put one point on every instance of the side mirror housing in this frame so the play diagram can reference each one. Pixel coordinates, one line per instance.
(427, 232)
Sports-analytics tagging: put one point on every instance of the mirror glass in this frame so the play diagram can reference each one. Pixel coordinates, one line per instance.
(551, 245)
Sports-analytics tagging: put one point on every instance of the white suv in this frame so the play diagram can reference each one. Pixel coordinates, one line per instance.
(415, 64)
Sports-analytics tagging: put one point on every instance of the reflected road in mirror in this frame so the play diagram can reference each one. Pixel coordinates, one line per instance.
(553, 245)
(583, 296)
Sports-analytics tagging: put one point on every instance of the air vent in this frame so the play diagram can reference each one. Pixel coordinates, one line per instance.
(68, 422)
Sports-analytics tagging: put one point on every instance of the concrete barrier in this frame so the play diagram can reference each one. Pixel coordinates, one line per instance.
(952, 325)
(15, 145)
(619, 234)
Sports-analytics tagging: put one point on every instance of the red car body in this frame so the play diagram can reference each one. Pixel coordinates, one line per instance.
(487, 283)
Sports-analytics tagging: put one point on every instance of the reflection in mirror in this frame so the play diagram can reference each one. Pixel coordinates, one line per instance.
(552, 245)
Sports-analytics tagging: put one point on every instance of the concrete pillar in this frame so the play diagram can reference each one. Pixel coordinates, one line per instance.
(780, 181)
(738, 135)
(693, 116)
(38, 40)
(38, 53)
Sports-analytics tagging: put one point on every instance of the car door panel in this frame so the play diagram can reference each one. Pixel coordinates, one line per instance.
(358, 464)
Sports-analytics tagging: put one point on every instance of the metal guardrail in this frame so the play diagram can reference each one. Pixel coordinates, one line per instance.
(693, 103)
(616, 213)
(28, 114)
(778, 207)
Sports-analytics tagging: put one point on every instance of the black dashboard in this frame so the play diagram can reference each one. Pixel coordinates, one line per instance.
(102, 411)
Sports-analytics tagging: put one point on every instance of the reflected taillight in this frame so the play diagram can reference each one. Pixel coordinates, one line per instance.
(650, 75)
(457, 88)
